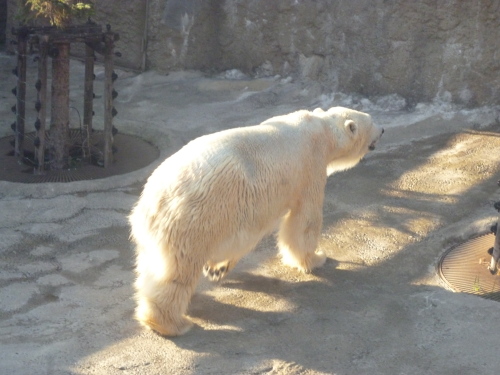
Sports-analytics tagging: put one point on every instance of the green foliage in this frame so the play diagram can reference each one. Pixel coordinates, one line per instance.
(59, 13)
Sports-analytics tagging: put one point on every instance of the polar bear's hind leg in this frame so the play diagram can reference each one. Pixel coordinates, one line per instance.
(163, 292)
(164, 313)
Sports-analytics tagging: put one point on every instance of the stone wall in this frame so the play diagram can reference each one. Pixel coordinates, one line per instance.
(127, 18)
(418, 49)
(185, 34)
(421, 50)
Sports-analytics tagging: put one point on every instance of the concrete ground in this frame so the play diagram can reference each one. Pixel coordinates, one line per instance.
(376, 307)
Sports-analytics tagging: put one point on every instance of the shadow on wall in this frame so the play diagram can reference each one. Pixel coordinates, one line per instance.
(178, 13)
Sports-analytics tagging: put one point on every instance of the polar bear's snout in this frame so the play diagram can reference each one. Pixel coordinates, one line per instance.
(374, 143)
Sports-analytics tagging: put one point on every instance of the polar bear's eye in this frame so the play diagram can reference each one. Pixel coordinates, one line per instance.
(351, 124)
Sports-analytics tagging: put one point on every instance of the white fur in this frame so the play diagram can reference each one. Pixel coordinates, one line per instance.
(213, 201)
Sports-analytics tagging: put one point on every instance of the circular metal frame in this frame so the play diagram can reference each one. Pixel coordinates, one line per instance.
(133, 153)
(464, 268)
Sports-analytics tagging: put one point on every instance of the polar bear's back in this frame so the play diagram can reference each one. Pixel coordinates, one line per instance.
(220, 184)
(256, 153)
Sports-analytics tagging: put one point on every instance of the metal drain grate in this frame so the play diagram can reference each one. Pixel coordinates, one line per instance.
(133, 154)
(465, 268)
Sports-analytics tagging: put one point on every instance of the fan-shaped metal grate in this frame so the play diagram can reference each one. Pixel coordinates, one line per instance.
(465, 268)
(133, 153)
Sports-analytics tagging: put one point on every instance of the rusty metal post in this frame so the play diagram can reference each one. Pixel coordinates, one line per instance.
(59, 126)
(22, 36)
(88, 98)
(108, 98)
(42, 99)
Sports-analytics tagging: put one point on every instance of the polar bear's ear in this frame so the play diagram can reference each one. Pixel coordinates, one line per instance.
(351, 125)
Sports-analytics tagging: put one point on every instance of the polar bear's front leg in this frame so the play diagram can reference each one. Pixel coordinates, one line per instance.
(298, 238)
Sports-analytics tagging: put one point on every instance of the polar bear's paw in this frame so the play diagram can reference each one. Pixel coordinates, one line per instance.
(163, 322)
(216, 272)
(178, 329)
(305, 264)
(317, 259)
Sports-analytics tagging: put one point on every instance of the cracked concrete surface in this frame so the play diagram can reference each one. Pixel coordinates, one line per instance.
(376, 307)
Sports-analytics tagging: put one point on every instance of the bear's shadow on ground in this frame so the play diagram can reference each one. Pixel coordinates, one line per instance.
(216, 314)
(323, 307)
(207, 308)
(302, 294)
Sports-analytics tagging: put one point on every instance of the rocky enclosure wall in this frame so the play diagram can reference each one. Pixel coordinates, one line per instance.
(419, 49)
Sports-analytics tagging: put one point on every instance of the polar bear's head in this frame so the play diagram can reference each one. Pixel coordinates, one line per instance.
(353, 135)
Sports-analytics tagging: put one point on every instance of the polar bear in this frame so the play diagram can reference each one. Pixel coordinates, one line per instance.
(210, 203)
